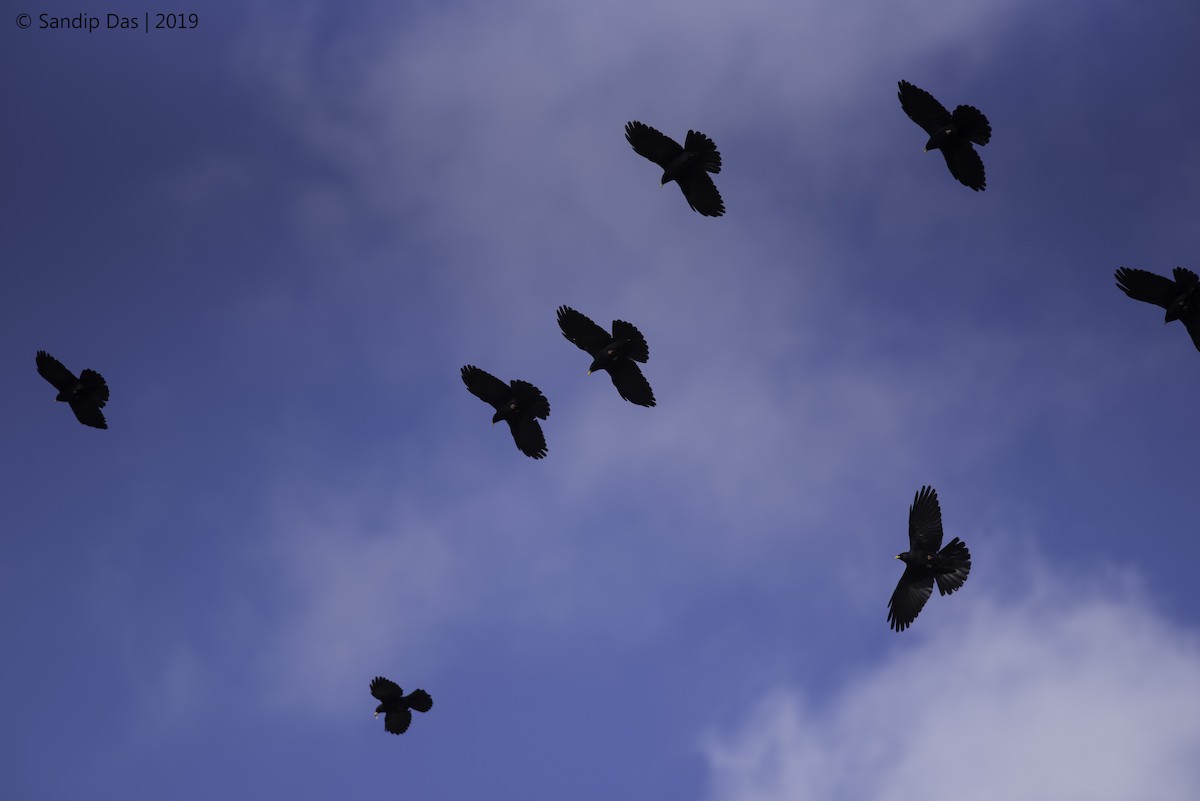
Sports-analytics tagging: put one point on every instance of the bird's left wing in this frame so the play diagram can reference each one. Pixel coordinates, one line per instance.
(1146, 286)
(966, 166)
(631, 384)
(528, 435)
(649, 143)
(581, 331)
(484, 385)
(907, 599)
(88, 413)
(385, 689)
(53, 371)
(922, 108)
(925, 521)
(397, 721)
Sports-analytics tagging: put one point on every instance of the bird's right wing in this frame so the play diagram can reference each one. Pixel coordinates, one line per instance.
(581, 331)
(922, 108)
(53, 371)
(925, 521)
(649, 143)
(397, 722)
(1146, 286)
(485, 386)
(631, 384)
(966, 166)
(385, 689)
(907, 600)
(529, 437)
(702, 194)
(88, 413)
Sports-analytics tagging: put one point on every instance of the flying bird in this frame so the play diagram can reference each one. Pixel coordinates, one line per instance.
(924, 563)
(86, 395)
(950, 133)
(1181, 297)
(687, 166)
(395, 705)
(617, 353)
(517, 402)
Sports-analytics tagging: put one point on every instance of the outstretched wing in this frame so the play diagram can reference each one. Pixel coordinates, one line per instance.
(966, 165)
(922, 108)
(581, 331)
(53, 371)
(420, 701)
(909, 597)
(485, 386)
(925, 521)
(702, 194)
(397, 721)
(1146, 286)
(649, 143)
(385, 690)
(630, 383)
(529, 437)
(88, 413)
(531, 398)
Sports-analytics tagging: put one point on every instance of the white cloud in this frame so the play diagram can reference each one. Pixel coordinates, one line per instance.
(1084, 698)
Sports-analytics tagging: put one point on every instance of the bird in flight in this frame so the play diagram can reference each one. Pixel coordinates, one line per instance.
(950, 133)
(687, 166)
(85, 395)
(924, 563)
(517, 402)
(395, 705)
(1181, 297)
(617, 353)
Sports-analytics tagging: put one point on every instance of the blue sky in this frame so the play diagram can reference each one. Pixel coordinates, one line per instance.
(280, 235)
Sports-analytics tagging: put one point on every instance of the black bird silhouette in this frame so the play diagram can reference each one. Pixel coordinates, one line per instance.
(518, 402)
(950, 133)
(86, 395)
(687, 166)
(618, 353)
(395, 705)
(1181, 297)
(924, 563)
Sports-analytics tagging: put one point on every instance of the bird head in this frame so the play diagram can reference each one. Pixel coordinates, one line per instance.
(904, 557)
(378, 709)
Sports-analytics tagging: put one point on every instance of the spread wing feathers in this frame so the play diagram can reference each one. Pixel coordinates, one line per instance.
(94, 387)
(1193, 329)
(53, 371)
(531, 398)
(701, 194)
(922, 108)
(649, 143)
(909, 597)
(420, 701)
(972, 124)
(956, 556)
(925, 521)
(385, 690)
(705, 150)
(638, 350)
(581, 331)
(1146, 286)
(88, 413)
(631, 384)
(397, 722)
(529, 437)
(1185, 277)
(485, 386)
(966, 166)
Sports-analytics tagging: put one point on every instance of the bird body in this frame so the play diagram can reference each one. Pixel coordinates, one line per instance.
(926, 562)
(616, 353)
(394, 705)
(1181, 297)
(953, 134)
(518, 403)
(687, 166)
(86, 395)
